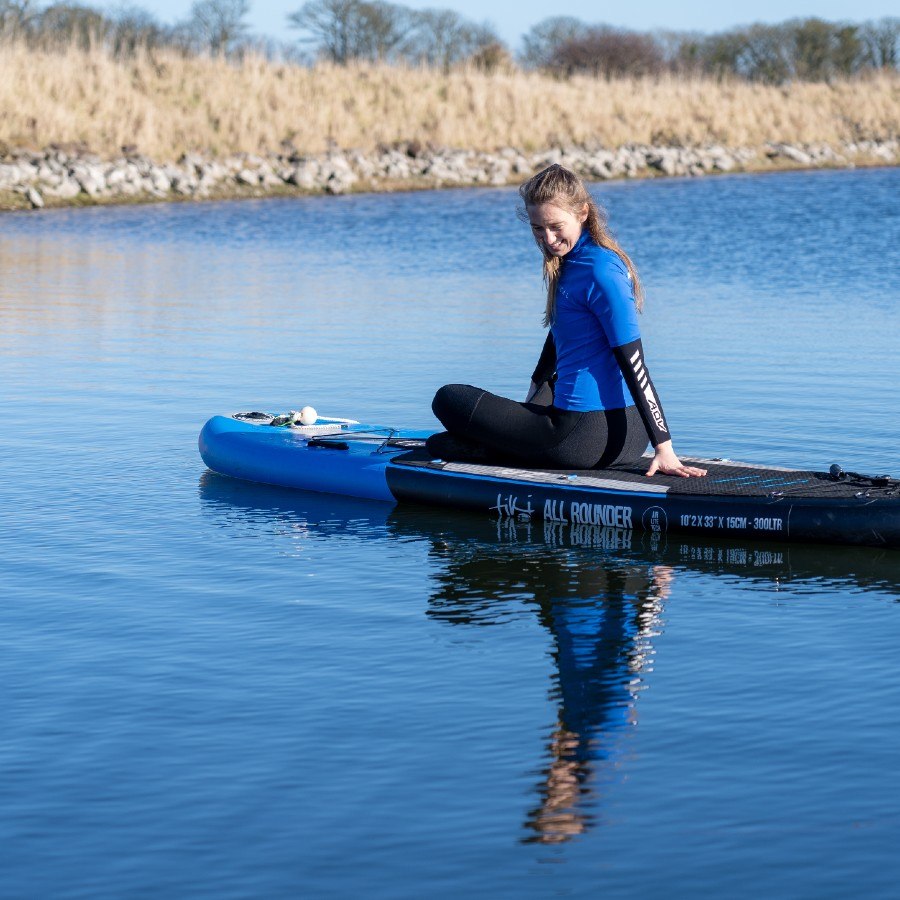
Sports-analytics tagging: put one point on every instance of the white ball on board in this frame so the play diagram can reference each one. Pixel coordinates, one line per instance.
(308, 416)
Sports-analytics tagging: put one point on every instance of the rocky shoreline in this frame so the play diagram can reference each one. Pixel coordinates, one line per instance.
(72, 176)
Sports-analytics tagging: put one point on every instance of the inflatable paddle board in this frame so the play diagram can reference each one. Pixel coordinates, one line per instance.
(341, 456)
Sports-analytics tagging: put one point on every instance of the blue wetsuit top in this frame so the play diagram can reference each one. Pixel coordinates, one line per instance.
(595, 312)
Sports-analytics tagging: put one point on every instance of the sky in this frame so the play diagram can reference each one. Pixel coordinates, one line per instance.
(512, 19)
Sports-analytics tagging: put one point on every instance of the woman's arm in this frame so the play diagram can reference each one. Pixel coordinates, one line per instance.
(545, 368)
(630, 358)
(612, 301)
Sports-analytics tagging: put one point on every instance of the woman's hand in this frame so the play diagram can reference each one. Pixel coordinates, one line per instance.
(667, 463)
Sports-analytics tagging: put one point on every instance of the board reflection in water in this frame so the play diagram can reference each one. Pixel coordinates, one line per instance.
(598, 591)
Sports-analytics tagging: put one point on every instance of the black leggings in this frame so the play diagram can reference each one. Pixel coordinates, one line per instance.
(483, 427)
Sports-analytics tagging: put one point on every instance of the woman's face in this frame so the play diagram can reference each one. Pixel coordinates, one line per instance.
(554, 228)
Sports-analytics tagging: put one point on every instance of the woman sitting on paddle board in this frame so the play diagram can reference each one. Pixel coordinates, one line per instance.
(591, 402)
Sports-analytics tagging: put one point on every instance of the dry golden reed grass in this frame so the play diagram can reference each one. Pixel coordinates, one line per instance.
(166, 105)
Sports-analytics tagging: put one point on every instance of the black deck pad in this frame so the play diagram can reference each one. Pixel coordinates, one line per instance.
(723, 478)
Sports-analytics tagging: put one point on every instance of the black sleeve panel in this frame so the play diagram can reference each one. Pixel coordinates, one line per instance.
(630, 358)
(546, 365)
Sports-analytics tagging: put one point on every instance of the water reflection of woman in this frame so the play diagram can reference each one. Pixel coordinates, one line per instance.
(602, 614)
(602, 653)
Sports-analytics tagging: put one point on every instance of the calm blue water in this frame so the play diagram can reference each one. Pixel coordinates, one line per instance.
(215, 689)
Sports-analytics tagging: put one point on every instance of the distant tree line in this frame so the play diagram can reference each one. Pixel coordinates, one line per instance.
(336, 30)
(217, 26)
(375, 30)
(342, 31)
(804, 49)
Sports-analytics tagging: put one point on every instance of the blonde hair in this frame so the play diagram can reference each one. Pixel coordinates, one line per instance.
(563, 188)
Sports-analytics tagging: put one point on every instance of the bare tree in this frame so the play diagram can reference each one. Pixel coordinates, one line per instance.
(492, 57)
(764, 53)
(64, 24)
(848, 53)
(881, 40)
(330, 25)
(387, 27)
(677, 49)
(811, 41)
(342, 30)
(443, 38)
(541, 43)
(218, 25)
(823, 49)
(15, 17)
(133, 29)
(608, 52)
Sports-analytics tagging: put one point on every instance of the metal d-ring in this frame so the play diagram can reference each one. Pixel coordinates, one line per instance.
(391, 434)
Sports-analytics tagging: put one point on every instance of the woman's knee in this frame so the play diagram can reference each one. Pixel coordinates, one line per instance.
(443, 398)
(454, 404)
